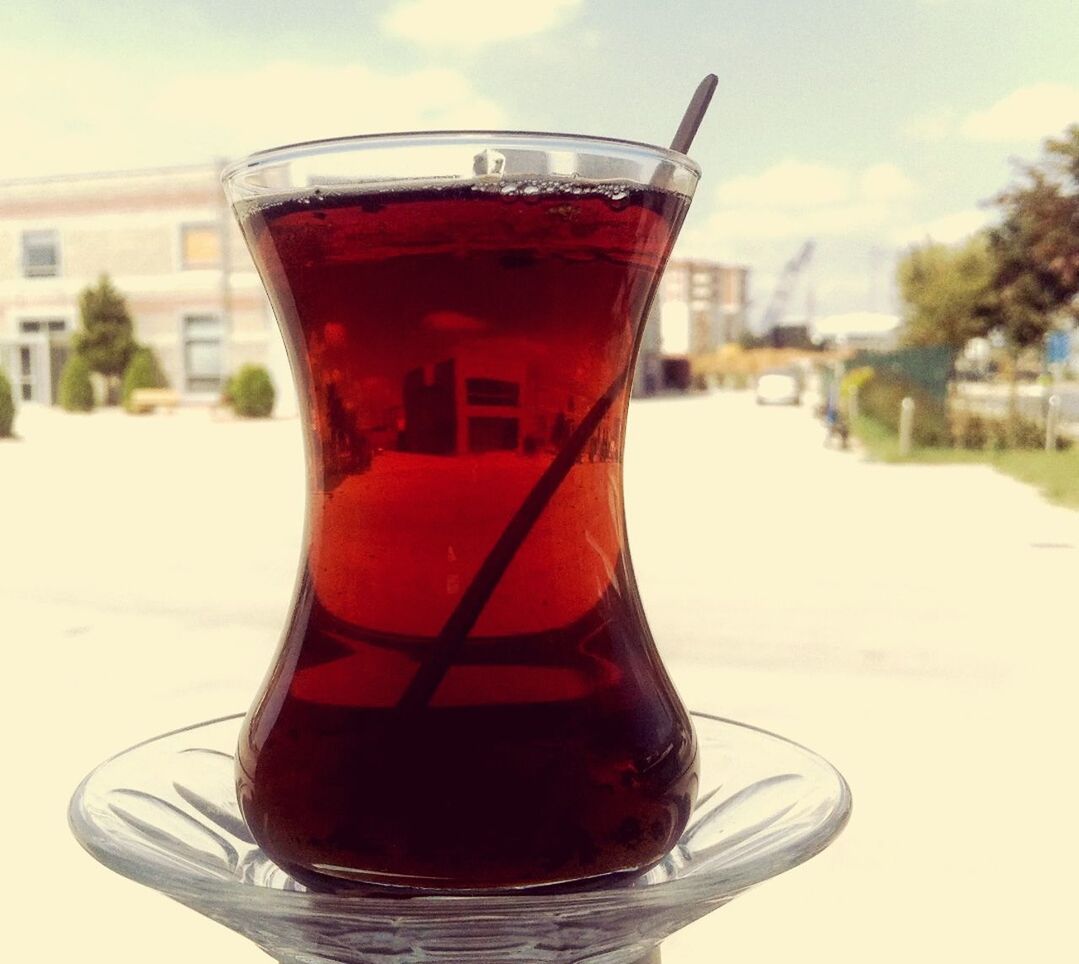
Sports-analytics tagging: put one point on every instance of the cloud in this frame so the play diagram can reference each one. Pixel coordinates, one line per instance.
(89, 115)
(1027, 114)
(948, 229)
(324, 101)
(788, 184)
(798, 199)
(763, 219)
(885, 182)
(766, 223)
(934, 126)
(474, 23)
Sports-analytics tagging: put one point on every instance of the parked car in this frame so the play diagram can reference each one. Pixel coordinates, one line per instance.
(779, 388)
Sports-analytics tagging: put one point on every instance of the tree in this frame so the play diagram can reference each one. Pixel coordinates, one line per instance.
(7, 406)
(143, 371)
(946, 291)
(76, 394)
(106, 341)
(1036, 245)
(1036, 250)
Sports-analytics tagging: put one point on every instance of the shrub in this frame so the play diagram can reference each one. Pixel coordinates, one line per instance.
(853, 381)
(970, 431)
(228, 396)
(143, 371)
(1019, 432)
(1025, 433)
(7, 406)
(252, 392)
(76, 393)
(880, 398)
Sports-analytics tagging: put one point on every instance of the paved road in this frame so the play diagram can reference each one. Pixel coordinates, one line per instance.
(913, 624)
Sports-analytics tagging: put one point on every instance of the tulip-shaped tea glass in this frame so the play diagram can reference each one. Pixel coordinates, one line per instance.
(467, 695)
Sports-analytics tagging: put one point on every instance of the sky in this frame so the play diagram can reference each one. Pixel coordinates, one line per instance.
(865, 125)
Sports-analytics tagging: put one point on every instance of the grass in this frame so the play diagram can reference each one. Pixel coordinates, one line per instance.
(1054, 474)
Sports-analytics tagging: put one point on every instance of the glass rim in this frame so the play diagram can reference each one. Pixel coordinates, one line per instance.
(545, 140)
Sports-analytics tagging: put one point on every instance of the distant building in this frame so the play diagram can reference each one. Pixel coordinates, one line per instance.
(171, 247)
(791, 335)
(470, 403)
(700, 306)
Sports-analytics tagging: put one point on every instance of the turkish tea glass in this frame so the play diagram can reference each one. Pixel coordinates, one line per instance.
(467, 695)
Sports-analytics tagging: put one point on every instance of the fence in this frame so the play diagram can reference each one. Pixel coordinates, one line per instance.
(921, 374)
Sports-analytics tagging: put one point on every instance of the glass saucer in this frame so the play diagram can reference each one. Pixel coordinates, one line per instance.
(164, 814)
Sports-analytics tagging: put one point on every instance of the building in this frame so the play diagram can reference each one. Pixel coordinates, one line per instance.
(711, 297)
(700, 306)
(171, 246)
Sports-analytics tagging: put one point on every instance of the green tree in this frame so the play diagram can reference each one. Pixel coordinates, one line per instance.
(76, 394)
(7, 406)
(143, 371)
(946, 292)
(106, 341)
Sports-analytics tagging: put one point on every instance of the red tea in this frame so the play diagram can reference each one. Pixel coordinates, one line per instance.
(467, 694)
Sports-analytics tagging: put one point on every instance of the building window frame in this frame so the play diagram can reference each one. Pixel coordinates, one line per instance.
(182, 260)
(48, 320)
(30, 270)
(39, 382)
(68, 314)
(498, 392)
(207, 336)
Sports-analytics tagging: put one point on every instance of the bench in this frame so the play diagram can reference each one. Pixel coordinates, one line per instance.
(153, 399)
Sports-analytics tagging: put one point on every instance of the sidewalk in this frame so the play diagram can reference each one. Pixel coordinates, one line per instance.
(916, 625)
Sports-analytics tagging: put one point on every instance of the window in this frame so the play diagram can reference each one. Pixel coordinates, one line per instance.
(40, 254)
(491, 391)
(200, 246)
(26, 373)
(487, 434)
(203, 361)
(37, 326)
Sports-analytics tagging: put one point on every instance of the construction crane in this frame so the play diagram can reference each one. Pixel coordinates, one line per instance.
(793, 269)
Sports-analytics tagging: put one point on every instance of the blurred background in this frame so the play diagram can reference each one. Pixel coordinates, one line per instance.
(851, 483)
